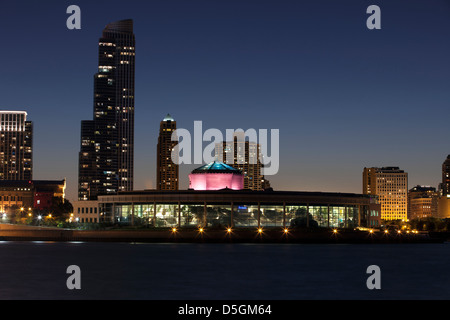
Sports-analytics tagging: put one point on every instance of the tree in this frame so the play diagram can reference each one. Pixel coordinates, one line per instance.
(60, 208)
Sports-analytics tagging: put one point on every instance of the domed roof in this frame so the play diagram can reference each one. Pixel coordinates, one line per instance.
(216, 167)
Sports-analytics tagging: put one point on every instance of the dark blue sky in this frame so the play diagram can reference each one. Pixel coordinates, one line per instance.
(344, 97)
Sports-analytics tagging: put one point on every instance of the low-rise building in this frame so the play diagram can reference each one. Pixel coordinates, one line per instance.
(240, 208)
(33, 194)
(85, 211)
(422, 202)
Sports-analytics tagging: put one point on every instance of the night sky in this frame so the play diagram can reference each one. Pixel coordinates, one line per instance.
(344, 97)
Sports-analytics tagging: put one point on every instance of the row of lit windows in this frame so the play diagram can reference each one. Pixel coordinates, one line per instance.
(11, 198)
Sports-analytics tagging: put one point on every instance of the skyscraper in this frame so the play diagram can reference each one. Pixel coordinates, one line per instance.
(390, 184)
(107, 142)
(167, 171)
(445, 186)
(16, 146)
(245, 156)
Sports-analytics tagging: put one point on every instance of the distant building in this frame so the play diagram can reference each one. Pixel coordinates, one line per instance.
(390, 184)
(37, 194)
(422, 202)
(444, 207)
(445, 186)
(245, 156)
(167, 171)
(107, 142)
(444, 191)
(16, 146)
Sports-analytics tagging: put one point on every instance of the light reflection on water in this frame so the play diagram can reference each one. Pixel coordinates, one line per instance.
(168, 271)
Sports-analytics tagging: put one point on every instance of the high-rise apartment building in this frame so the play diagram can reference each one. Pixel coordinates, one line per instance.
(445, 186)
(245, 156)
(444, 191)
(16, 146)
(167, 171)
(390, 184)
(422, 202)
(107, 142)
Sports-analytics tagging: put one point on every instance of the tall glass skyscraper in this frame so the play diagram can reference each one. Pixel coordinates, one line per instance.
(16, 144)
(107, 142)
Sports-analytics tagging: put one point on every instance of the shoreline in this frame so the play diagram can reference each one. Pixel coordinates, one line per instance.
(272, 235)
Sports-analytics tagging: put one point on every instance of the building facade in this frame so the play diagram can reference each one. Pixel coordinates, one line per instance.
(85, 212)
(106, 158)
(240, 208)
(245, 156)
(422, 202)
(167, 171)
(444, 207)
(445, 185)
(16, 146)
(390, 184)
(34, 194)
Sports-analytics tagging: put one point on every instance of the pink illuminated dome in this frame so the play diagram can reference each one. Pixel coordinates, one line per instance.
(216, 176)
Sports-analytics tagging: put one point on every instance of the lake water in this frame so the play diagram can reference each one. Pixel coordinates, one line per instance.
(37, 270)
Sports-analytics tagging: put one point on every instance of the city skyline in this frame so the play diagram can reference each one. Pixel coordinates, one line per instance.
(343, 97)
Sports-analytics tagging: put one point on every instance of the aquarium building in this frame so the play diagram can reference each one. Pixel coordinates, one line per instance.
(239, 208)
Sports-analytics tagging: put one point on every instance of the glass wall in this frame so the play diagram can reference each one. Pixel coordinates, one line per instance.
(192, 215)
(271, 215)
(352, 216)
(319, 215)
(296, 215)
(166, 215)
(218, 215)
(122, 213)
(106, 212)
(337, 217)
(245, 215)
(144, 214)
